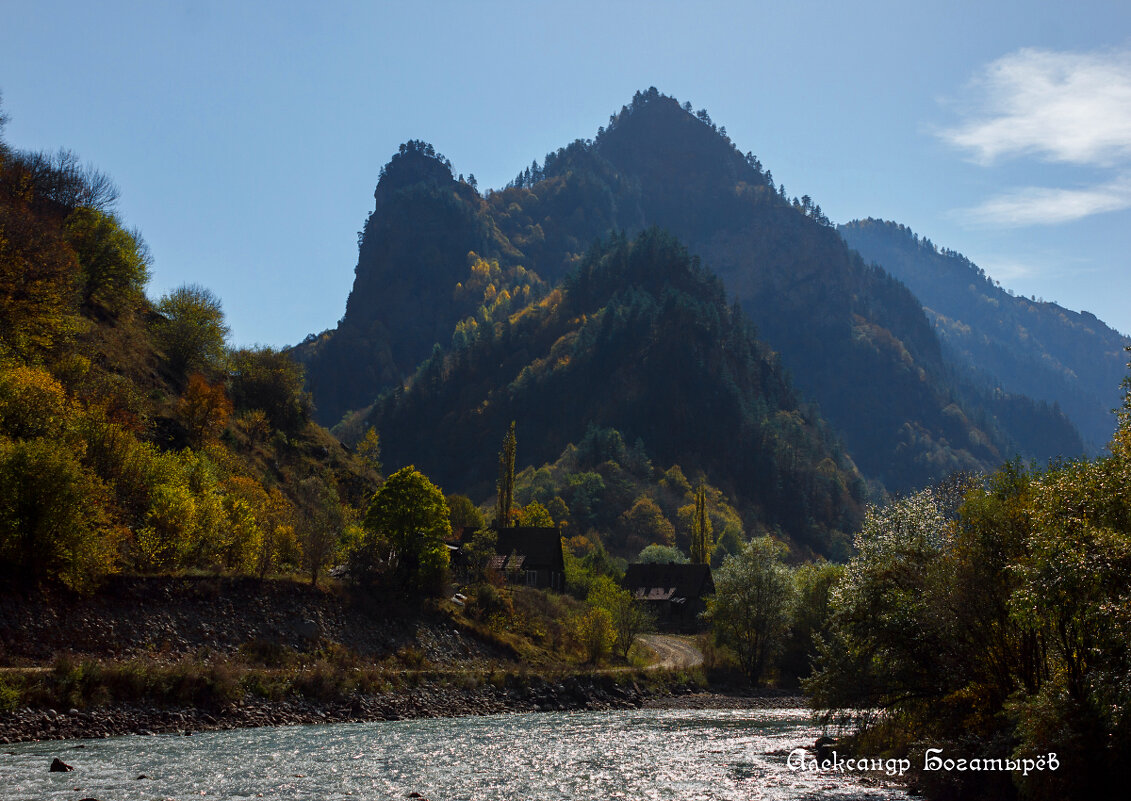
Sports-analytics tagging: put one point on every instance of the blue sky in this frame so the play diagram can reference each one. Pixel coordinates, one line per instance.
(247, 137)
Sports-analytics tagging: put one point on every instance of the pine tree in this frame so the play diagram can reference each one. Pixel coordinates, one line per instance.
(506, 480)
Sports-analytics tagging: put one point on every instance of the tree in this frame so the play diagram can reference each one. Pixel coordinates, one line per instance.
(478, 552)
(893, 623)
(585, 492)
(753, 599)
(114, 262)
(811, 618)
(627, 615)
(191, 330)
(204, 409)
(3, 124)
(406, 526)
(164, 541)
(593, 632)
(506, 480)
(1074, 590)
(661, 555)
(243, 540)
(67, 183)
(320, 528)
(558, 510)
(701, 544)
(39, 273)
(369, 449)
(464, 514)
(534, 514)
(645, 525)
(53, 524)
(279, 546)
(270, 380)
(32, 404)
(255, 426)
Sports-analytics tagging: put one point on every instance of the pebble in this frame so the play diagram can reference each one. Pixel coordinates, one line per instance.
(428, 701)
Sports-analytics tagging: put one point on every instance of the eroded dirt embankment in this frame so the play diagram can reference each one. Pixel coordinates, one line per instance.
(174, 617)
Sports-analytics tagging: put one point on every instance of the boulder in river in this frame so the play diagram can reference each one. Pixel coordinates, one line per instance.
(59, 766)
(824, 747)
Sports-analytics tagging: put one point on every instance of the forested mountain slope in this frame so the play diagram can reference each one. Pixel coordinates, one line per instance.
(637, 338)
(1022, 345)
(854, 339)
(418, 264)
(131, 437)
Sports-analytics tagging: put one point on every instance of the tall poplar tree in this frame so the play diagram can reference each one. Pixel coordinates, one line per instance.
(506, 480)
(701, 545)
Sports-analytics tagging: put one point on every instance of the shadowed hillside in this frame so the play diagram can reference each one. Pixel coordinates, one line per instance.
(1022, 345)
(439, 264)
(638, 338)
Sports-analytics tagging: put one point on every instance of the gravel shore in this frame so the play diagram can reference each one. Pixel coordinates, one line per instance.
(571, 694)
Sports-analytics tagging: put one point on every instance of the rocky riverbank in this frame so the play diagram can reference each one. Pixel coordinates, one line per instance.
(590, 692)
(165, 655)
(175, 617)
(727, 699)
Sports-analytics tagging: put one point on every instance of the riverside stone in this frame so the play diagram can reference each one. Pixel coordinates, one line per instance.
(580, 692)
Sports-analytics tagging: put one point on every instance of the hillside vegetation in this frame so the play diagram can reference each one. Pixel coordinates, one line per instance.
(131, 437)
(990, 620)
(1024, 346)
(638, 338)
(856, 342)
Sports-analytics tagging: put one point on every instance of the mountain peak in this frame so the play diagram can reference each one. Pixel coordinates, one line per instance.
(656, 135)
(415, 162)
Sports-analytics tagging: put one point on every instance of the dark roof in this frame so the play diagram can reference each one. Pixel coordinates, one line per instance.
(542, 547)
(661, 582)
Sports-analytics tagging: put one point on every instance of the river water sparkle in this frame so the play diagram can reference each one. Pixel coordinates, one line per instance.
(682, 755)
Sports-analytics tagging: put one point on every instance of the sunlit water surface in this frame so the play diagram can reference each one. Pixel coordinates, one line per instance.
(671, 754)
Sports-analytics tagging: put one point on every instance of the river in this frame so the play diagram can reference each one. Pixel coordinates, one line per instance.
(683, 755)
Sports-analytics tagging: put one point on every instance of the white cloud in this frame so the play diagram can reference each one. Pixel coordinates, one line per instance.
(1036, 205)
(1063, 107)
(1068, 108)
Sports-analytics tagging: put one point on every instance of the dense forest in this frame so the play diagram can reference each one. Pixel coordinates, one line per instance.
(637, 338)
(855, 341)
(1007, 342)
(611, 501)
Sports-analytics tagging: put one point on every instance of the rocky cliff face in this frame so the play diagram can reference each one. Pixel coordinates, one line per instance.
(412, 253)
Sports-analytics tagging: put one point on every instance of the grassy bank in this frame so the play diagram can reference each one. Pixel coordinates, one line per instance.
(214, 682)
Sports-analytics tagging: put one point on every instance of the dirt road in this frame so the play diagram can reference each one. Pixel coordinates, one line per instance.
(673, 651)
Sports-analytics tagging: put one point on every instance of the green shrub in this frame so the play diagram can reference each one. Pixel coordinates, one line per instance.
(11, 693)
